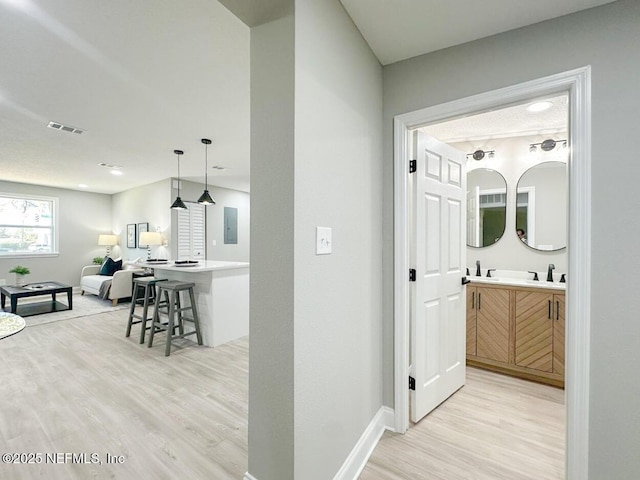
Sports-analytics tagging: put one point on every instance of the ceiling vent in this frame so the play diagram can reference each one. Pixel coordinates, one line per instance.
(65, 128)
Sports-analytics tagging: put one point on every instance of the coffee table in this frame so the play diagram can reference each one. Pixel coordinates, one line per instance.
(34, 290)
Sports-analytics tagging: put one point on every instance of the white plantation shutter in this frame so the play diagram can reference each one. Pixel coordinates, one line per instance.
(191, 232)
(198, 215)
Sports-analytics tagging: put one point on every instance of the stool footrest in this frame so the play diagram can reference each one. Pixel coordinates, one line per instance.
(182, 335)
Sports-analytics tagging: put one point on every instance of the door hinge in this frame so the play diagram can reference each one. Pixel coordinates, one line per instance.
(413, 166)
(412, 274)
(412, 383)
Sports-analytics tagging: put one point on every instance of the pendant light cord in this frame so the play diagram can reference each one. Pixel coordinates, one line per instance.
(206, 166)
(178, 174)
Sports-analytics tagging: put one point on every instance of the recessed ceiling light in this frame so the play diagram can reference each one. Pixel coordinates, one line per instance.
(83, 185)
(116, 172)
(217, 167)
(539, 106)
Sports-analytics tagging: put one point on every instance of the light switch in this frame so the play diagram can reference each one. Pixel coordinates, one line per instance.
(215, 242)
(323, 241)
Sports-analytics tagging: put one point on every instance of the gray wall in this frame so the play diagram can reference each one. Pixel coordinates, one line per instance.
(338, 177)
(315, 358)
(224, 197)
(271, 318)
(150, 203)
(606, 38)
(147, 204)
(82, 216)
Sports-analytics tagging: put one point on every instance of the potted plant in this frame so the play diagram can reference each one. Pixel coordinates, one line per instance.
(20, 272)
(98, 260)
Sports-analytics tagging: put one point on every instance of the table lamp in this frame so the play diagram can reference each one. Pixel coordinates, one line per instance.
(108, 241)
(148, 239)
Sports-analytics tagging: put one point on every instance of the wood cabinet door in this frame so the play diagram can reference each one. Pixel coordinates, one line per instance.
(492, 323)
(534, 330)
(558, 334)
(472, 297)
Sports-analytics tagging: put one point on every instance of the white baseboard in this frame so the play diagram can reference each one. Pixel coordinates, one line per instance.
(357, 459)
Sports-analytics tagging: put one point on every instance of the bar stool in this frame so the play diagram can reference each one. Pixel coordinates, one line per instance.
(146, 285)
(174, 310)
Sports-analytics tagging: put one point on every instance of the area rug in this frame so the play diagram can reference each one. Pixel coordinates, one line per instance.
(83, 305)
(10, 324)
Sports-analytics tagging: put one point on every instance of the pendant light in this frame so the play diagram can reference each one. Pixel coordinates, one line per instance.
(205, 198)
(178, 204)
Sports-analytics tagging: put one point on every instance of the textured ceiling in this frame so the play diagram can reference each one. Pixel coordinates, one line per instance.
(512, 121)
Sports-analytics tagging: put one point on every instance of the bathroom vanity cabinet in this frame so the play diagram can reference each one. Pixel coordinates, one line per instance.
(517, 330)
(488, 323)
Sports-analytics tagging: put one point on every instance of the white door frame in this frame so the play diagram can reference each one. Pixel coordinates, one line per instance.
(578, 84)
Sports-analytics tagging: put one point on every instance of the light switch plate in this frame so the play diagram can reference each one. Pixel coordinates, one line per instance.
(323, 241)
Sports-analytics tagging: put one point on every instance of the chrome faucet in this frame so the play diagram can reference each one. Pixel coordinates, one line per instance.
(478, 274)
(550, 272)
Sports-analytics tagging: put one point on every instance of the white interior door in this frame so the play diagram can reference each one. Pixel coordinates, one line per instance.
(438, 325)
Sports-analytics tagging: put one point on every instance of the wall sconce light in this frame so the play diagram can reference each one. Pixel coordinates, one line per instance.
(480, 154)
(205, 198)
(178, 204)
(108, 241)
(548, 145)
(148, 239)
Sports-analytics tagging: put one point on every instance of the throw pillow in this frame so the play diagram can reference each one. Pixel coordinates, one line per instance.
(109, 267)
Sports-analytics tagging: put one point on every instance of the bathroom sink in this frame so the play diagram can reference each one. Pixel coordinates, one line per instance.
(519, 282)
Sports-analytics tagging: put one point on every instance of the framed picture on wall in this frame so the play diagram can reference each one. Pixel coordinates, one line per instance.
(142, 227)
(131, 235)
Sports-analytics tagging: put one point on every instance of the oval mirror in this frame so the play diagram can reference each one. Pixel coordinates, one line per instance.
(541, 207)
(486, 207)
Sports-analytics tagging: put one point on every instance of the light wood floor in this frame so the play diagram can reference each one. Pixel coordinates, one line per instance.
(80, 386)
(494, 428)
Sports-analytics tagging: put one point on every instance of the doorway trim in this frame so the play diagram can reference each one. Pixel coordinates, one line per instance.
(578, 84)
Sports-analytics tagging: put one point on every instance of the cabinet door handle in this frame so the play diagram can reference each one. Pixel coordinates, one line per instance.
(473, 300)
(479, 300)
(557, 310)
(549, 301)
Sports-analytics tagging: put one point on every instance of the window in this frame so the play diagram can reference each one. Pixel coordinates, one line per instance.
(27, 225)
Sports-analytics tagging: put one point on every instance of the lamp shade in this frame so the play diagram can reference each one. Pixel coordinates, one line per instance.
(150, 238)
(107, 240)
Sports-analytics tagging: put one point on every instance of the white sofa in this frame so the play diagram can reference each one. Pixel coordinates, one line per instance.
(121, 282)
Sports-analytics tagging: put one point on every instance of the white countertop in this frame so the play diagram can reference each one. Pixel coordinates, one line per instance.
(518, 282)
(201, 266)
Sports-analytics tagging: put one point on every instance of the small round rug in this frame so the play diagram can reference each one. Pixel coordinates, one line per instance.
(10, 324)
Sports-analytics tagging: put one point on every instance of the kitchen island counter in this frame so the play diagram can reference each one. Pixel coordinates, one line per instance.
(222, 296)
